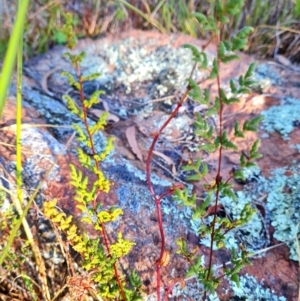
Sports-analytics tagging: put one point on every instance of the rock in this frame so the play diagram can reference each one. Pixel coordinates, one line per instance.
(136, 68)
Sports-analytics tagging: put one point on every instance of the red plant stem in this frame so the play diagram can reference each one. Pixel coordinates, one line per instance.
(148, 175)
(218, 176)
(158, 199)
(151, 189)
(97, 166)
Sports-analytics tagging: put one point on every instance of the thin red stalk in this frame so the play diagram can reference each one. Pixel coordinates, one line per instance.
(218, 176)
(97, 166)
(151, 189)
(158, 199)
(148, 175)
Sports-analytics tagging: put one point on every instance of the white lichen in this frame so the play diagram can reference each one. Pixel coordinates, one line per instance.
(251, 290)
(282, 118)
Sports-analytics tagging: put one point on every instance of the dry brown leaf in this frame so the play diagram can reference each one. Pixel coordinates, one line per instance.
(165, 260)
(110, 117)
(211, 210)
(131, 138)
(168, 160)
(181, 281)
(105, 105)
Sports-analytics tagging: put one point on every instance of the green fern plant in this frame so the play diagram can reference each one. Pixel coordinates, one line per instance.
(99, 256)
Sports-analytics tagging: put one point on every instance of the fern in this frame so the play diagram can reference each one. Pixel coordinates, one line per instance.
(99, 256)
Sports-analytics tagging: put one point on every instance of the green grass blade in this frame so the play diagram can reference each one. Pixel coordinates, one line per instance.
(19, 121)
(10, 56)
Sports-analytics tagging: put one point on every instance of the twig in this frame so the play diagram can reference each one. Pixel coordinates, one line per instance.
(156, 100)
(157, 199)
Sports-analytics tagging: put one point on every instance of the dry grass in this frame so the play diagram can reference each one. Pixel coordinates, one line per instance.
(276, 23)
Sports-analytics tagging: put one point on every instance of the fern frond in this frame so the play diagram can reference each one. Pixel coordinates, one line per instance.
(72, 106)
(94, 99)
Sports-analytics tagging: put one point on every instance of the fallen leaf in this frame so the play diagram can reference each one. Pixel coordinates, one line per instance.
(105, 105)
(165, 260)
(168, 160)
(44, 80)
(180, 281)
(110, 117)
(211, 210)
(131, 138)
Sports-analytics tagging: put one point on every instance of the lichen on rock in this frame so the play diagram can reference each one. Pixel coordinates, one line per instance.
(283, 118)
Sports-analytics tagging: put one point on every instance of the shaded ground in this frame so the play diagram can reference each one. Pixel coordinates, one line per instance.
(129, 95)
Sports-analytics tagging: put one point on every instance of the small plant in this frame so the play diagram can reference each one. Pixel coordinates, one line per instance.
(213, 140)
(99, 256)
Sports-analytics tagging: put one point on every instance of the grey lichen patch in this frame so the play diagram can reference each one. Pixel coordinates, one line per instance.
(193, 290)
(137, 62)
(283, 118)
(55, 113)
(52, 111)
(283, 203)
(251, 290)
(180, 123)
(134, 64)
(296, 146)
(266, 75)
(133, 197)
(36, 144)
(122, 169)
(39, 142)
(165, 83)
(250, 174)
(252, 235)
(134, 193)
